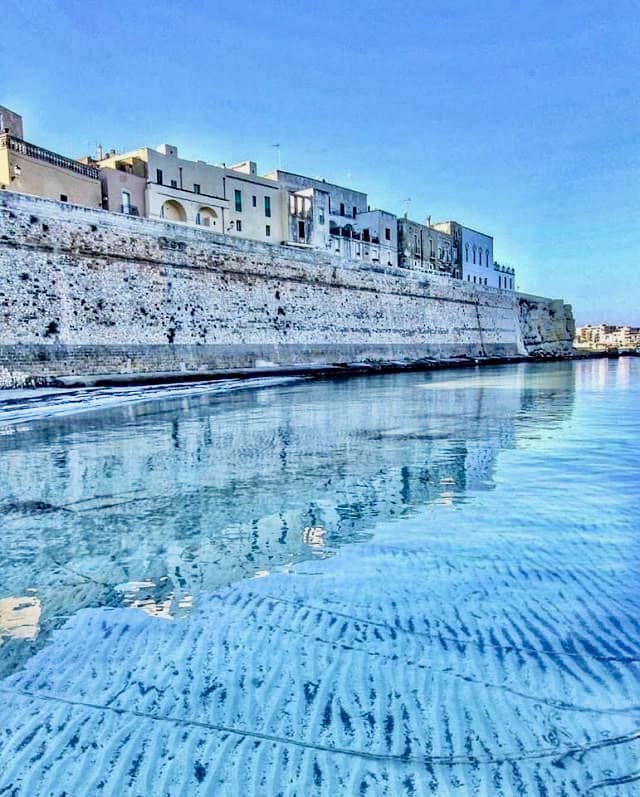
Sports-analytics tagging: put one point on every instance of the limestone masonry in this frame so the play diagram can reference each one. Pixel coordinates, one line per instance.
(85, 291)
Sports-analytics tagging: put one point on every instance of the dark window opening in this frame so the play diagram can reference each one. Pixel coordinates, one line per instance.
(267, 230)
(174, 184)
(342, 208)
(196, 188)
(267, 206)
(159, 176)
(301, 231)
(254, 201)
(387, 233)
(239, 225)
(238, 200)
(365, 235)
(355, 210)
(64, 198)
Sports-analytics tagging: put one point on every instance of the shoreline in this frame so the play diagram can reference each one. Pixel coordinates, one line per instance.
(324, 371)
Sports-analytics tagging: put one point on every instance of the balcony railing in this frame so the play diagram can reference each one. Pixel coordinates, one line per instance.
(8, 141)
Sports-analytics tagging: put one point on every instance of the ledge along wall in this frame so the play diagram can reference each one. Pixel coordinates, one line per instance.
(88, 292)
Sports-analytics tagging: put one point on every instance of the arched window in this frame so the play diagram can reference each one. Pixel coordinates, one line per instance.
(207, 217)
(173, 211)
(474, 253)
(486, 257)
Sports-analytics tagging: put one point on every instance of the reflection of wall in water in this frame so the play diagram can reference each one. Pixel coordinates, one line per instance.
(207, 491)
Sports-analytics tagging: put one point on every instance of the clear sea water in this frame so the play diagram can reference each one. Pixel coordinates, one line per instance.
(415, 584)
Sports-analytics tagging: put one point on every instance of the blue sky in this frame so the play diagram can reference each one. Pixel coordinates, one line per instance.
(518, 119)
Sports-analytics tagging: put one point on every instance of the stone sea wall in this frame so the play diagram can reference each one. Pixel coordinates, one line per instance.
(86, 292)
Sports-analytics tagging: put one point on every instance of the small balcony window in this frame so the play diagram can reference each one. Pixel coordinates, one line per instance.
(196, 188)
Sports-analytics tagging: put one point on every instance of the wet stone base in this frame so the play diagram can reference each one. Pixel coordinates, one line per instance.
(35, 365)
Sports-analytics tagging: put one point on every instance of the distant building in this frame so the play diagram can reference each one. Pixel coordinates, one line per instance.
(423, 247)
(337, 219)
(232, 201)
(30, 169)
(607, 336)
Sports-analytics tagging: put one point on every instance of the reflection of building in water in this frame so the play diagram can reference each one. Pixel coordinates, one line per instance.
(19, 617)
(193, 494)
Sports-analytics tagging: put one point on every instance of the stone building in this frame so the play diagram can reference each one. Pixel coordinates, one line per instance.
(338, 219)
(29, 169)
(234, 201)
(423, 247)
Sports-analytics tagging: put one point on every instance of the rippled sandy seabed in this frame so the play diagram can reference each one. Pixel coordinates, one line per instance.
(416, 584)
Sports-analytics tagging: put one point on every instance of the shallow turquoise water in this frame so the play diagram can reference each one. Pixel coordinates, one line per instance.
(417, 584)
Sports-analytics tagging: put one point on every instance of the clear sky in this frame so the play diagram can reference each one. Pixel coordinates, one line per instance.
(520, 119)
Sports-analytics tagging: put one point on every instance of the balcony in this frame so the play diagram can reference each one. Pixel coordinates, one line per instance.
(38, 153)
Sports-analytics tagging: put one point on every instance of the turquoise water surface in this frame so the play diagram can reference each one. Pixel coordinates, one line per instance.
(414, 584)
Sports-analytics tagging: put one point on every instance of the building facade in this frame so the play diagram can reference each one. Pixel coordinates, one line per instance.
(607, 336)
(337, 219)
(232, 201)
(30, 169)
(423, 247)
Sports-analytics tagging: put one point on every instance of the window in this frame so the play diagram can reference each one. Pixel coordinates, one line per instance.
(267, 206)
(254, 201)
(239, 225)
(430, 247)
(267, 231)
(126, 202)
(387, 233)
(159, 176)
(196, 188)
(301, 231)
(64, 198)
(366, 235)
(486, 257)
(466, 252)
(320, 215)
(237, 194)
(174, 184)
(342, 208)
(355, 211)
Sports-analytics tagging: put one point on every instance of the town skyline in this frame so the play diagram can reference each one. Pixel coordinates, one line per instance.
(453, 112)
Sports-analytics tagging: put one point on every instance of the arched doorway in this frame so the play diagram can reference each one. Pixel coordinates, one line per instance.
(173, 211)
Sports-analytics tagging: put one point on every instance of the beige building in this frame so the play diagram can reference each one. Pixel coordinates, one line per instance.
(229, 200)
(29, 169)
(607, 336)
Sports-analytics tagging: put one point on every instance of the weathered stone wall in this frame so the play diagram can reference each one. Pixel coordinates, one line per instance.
(85, 291)
(548, 327)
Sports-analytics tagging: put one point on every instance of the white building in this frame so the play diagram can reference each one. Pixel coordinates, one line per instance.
(338, 219)
(475, 261)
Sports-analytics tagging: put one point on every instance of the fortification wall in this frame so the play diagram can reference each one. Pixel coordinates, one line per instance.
(85, 291)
